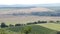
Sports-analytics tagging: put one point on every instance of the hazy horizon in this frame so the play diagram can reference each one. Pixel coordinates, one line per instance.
(27, 2)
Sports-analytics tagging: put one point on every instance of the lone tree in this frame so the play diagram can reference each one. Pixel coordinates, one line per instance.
(57, 21)
(51, 21)
(3, 25)
(27, 29)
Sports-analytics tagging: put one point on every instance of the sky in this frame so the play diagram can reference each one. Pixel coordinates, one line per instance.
(11, 2)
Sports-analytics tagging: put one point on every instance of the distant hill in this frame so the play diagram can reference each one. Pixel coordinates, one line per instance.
(32, 5)
(35, 9)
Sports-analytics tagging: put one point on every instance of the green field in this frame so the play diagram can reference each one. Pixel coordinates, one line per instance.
(48, 28)
(52, 26)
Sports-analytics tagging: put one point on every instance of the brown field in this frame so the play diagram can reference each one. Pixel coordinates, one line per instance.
(26, 19)
(10, 11)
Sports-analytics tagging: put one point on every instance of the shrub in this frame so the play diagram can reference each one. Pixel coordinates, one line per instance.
(17, 24)
(2, 31)
(11, 25)
(42, 21)
(27, 29)
(51, 22)
(57, 21)
(35, 22)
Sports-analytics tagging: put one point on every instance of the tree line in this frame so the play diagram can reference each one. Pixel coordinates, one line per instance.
(3, 25)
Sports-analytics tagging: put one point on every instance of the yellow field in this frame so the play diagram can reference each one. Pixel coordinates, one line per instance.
(52, 26)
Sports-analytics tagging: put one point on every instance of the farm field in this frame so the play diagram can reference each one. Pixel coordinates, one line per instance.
(29, 17)
(6, 15)
(26, 19)
(52, 26)
(11, 17)
(36, 29)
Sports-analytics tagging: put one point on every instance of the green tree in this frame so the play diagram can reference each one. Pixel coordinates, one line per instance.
(17, 24)
(51, 22)
(57, 21)
(3, 25)
(27, 29)
(10, 25)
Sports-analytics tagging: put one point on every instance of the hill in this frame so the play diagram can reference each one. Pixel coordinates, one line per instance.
(35, 9)
(36, 29)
